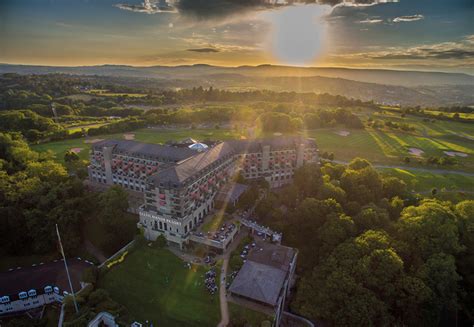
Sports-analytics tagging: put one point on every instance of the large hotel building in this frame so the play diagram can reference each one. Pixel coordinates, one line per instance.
(180, 182)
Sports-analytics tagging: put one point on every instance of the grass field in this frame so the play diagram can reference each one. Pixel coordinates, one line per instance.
(79, 128)
(106, 93)
(154, 285)
(424, 181)
(390, 147)
(241, 316)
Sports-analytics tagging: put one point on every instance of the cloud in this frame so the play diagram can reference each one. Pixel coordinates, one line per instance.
(218, 8)
(147, 7)
(206, 50)
(411, 18)
(371, 21)
(461, 50)
(355, 3)
(429, 54)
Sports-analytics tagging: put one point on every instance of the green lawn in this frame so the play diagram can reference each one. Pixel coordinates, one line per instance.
(242, 316)
(423, 181)
(154, 285)
(106, 93)
(390, 147)
(79, 128)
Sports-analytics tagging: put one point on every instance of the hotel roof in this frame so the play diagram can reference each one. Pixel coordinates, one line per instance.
(141, 149)
(192, 166)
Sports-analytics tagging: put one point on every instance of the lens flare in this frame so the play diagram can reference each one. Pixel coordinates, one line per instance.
(298, 33)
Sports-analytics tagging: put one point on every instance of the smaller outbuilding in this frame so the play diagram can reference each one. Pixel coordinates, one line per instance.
(264, 280)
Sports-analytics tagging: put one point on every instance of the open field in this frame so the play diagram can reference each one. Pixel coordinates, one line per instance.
(106, 93)
(389, 146)
(424, 181)
(155, 285)
(242, 316)
(79, 128)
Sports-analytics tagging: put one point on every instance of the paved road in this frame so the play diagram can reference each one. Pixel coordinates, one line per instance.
(222, 293)
(426, 170)
(225, 319)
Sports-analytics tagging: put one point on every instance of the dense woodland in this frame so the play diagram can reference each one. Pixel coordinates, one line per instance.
(36, 193)
(370, 253)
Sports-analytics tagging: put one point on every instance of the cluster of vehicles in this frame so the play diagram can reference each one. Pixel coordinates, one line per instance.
(221, 234)
(246, 249)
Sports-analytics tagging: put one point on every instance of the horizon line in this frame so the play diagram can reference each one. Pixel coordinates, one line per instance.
(238, 66)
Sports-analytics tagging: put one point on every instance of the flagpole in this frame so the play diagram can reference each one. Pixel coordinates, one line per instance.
(67, 270)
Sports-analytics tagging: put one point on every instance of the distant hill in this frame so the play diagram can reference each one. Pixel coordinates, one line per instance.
(382, 86)
(379, 76)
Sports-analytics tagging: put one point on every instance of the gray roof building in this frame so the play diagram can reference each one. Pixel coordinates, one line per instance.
(259, 282)
(265, 278)
(190, 167)
(277, 256)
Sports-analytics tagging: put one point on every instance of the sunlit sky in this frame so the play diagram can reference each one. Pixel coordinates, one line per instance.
(403, 34)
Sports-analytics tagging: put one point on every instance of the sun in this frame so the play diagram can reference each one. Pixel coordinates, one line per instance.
(298, 33)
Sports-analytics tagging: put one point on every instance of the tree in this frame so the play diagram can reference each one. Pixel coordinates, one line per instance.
(371, 217)
(70, 156)
(248, 198)
(308, 180)
(160, 241)
(362, 282)
(330, 191)
(113, 204)
(358, 164)
(465, 260)
(393, 186)
(120, 229)
(428, 229)
(440, 275)
(362, 183)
